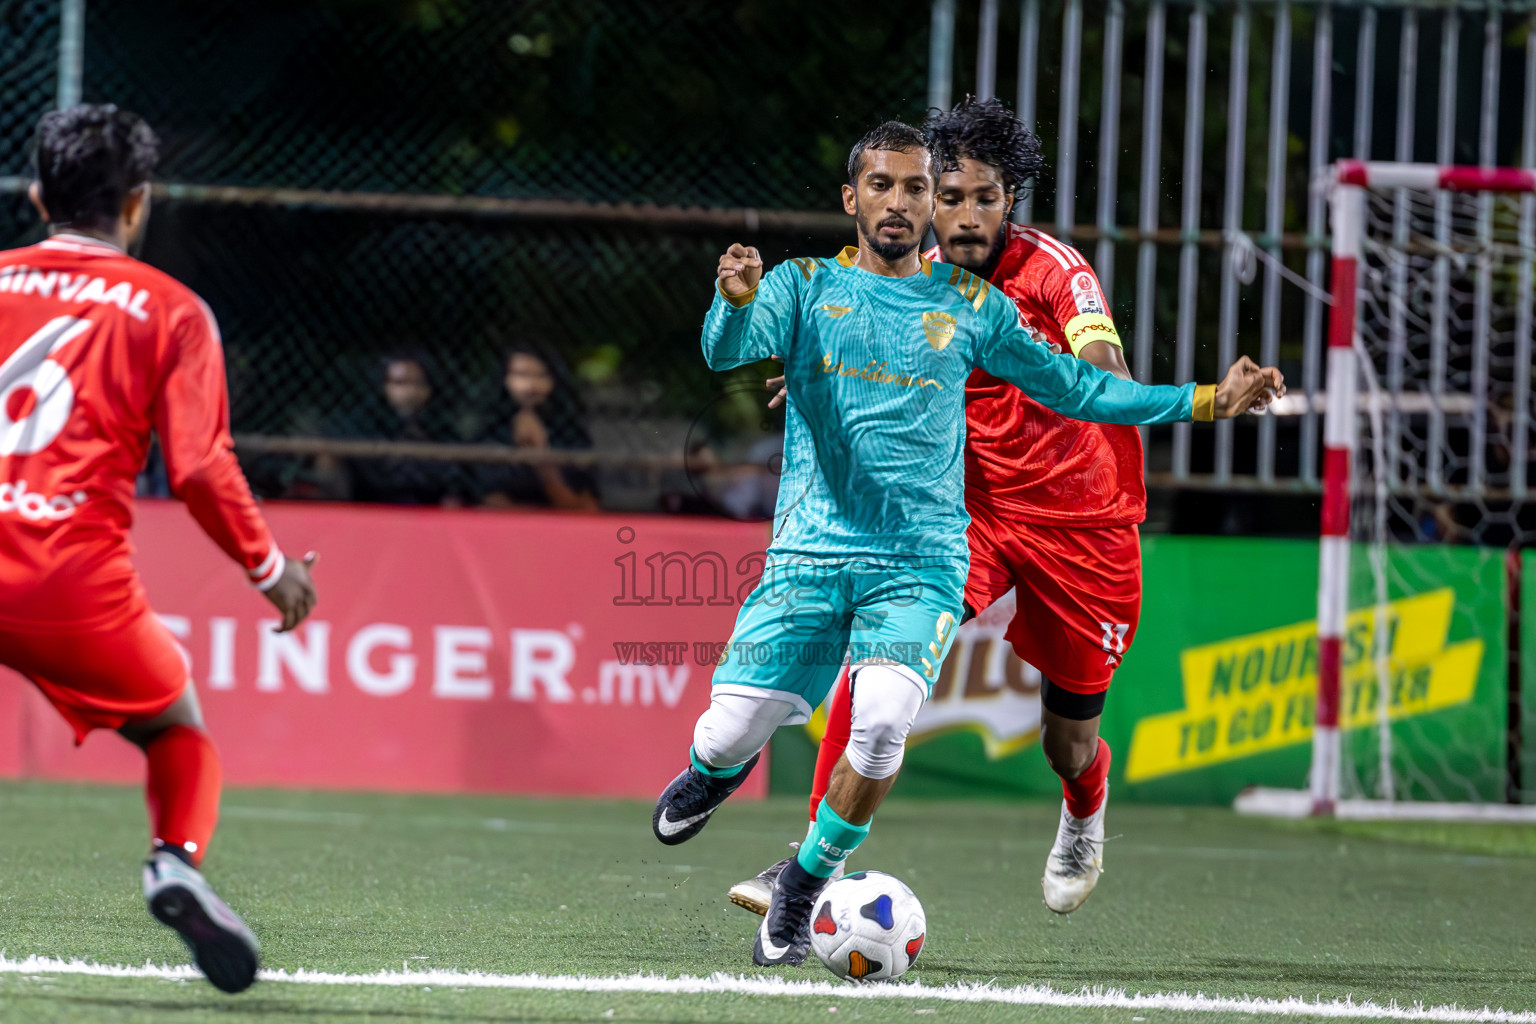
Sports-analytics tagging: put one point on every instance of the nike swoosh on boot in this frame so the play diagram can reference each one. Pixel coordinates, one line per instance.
(668, 827)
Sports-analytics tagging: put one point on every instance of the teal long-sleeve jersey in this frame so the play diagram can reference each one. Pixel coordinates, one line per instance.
(875, 424)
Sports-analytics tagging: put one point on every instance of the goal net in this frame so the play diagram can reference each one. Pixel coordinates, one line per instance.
(1426, 513)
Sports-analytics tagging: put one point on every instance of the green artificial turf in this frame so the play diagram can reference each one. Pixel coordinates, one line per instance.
(1500, 840)
(1193, 900)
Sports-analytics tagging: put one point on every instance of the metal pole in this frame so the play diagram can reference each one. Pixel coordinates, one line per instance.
(1520, 442)
(1109, 149)
(1317, 160)
(1365, 82)
(1341, 430)
(1365, 87)
(1232, 222)
(1440, 303)
(71, 51)
(986, 51)
(1520, 426)
(1029, 60)
(1397, 344)
(1151, 188)
(941, 53)
(1189, 250)
(1274, 220)
(1482, 308)
(1066, 127)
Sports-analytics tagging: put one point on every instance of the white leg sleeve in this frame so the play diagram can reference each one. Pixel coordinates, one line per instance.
(736, 726)
(886, 700)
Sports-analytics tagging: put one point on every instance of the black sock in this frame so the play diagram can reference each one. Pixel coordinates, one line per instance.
(797, 879)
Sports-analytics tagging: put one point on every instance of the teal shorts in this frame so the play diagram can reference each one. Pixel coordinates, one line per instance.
(807, 615)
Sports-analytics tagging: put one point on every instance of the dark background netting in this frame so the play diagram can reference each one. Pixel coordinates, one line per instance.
(747, 104)
(29, 75)
(329, 294)
(686, 102)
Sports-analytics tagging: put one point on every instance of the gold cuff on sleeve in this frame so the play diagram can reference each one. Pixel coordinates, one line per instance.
(1087, 328)
(1205, 403)
(736, 300)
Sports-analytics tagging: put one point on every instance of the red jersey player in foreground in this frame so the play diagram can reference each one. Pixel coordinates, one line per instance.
(98, 350)
(1054, 503)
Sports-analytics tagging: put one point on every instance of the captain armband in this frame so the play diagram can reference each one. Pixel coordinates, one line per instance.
(1087, 328)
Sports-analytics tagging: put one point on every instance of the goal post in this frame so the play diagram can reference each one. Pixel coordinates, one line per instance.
(1427, 415)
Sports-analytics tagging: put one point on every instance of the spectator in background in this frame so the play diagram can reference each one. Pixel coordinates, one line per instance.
(746, 492)
(694, 491)
(540, 412)
(411, 410)
(753, 491)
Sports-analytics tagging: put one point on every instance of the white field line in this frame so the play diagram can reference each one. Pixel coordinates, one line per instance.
(964, 992)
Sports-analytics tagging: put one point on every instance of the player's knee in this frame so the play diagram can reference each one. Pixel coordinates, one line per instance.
(184, 710)
(1068, 755)
(718, 743)
(1069, 728)
(730, 732)
(886, 700)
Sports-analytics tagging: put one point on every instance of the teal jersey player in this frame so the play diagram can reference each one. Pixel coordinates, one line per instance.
(869, 554)
(876, 367)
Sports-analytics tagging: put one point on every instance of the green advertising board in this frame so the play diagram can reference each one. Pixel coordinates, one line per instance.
(1219, 689)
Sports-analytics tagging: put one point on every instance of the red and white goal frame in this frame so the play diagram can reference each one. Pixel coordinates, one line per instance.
(1350, 183)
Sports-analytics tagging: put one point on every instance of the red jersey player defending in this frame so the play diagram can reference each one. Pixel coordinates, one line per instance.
(96, 351)
(1053, 502)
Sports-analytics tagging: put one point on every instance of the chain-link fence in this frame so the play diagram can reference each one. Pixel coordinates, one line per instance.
(576, 169)
(320, 301)
(682, 102)
(345, 180)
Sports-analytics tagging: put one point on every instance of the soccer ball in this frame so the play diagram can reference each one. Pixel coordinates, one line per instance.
(868, 927)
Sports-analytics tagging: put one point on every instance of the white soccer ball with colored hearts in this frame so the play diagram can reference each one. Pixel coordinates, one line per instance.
(868, 927)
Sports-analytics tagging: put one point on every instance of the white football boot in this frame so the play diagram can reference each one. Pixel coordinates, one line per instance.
(222, 946)
(1076, 861)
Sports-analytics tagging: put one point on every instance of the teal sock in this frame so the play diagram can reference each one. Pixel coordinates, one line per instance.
(829, 842)
(715, 773)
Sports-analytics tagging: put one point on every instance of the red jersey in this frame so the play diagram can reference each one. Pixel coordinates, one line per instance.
(97, 350)
(1023, 460)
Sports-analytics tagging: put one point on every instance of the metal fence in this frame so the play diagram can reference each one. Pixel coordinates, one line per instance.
(343, 180)
(1260, 98)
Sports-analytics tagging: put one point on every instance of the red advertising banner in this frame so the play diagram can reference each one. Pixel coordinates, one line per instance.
(452, 650)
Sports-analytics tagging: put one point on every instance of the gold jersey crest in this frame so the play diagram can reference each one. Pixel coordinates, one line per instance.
(940, 328)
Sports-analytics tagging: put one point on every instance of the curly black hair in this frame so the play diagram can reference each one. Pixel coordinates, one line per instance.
(88, 158)
(985, 130)
(890, 135)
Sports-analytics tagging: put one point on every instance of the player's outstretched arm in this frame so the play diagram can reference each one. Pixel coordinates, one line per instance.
(1107, 357)
(752, 315)
(191, 416)
(1076, 388)
(1247, 387)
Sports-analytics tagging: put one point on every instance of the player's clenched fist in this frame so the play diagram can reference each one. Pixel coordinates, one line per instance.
(740, 269)
(1247, 387)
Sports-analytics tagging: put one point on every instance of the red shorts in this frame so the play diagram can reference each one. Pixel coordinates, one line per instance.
(101, 679)
(1078, 592)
